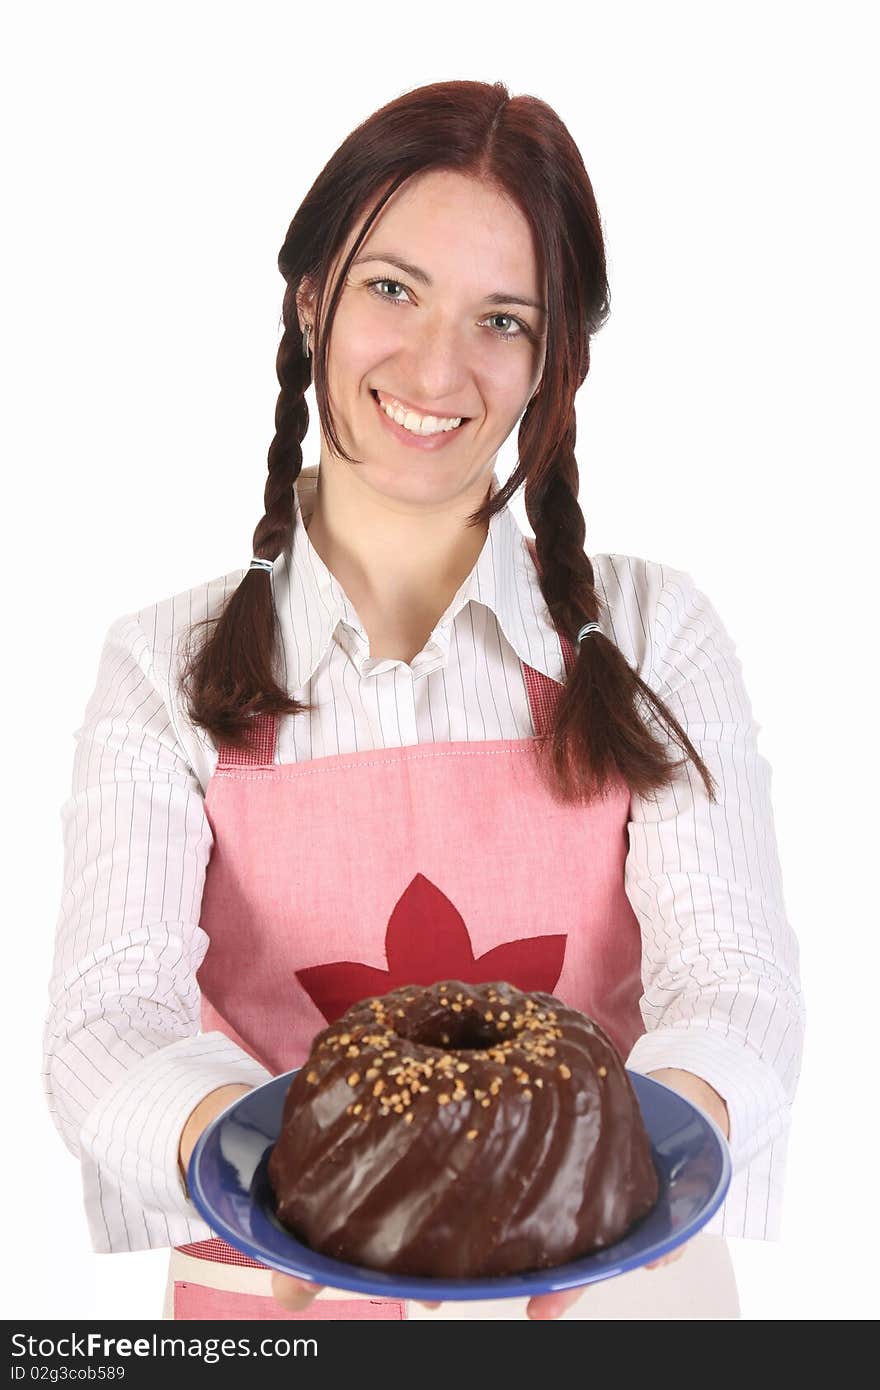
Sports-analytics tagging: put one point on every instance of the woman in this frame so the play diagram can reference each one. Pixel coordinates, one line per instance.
(400, 691)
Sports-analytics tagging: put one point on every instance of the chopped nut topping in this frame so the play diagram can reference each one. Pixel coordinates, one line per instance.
(523, 1044)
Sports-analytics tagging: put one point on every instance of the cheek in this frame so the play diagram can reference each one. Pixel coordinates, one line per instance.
(508, 375)
(363, 337)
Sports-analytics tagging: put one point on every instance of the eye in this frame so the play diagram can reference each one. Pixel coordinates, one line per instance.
(376, 287)
(392, 298)
(522, 329)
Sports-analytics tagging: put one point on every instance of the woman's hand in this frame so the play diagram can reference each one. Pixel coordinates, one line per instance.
(207, 1110)
(701, 1094)
(698, 1092)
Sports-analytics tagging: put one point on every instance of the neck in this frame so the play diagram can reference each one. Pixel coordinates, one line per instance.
(398, 562)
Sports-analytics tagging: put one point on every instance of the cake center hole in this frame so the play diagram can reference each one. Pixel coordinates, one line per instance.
(460, 1033)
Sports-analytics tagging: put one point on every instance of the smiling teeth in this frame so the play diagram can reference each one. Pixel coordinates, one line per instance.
(417, 424)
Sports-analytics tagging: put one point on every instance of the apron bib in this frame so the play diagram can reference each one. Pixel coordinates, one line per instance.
(348, 875)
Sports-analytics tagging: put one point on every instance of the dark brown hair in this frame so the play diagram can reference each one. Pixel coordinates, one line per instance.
(520, 146)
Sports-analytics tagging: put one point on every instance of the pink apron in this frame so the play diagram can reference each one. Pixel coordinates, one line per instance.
(348, 875)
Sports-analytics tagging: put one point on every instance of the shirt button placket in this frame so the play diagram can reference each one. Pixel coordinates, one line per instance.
(402, 686)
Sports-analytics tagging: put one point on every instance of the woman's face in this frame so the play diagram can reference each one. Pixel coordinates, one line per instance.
(448, 335)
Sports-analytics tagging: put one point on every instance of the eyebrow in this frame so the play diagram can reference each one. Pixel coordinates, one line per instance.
(499, 297)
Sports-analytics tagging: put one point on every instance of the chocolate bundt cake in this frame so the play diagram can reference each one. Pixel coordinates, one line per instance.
(461, 1131)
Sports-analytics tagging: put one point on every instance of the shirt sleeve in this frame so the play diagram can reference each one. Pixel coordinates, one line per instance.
(720, 962)
(124, 1063)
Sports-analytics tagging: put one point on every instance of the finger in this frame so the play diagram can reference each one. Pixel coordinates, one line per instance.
(666, 1259)
(552, 1305)
(429, 1305)
(293, 1294)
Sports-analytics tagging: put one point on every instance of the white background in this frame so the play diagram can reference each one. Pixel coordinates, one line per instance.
(155, 155)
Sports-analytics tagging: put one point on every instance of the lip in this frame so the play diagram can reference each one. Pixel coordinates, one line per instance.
(416, 441)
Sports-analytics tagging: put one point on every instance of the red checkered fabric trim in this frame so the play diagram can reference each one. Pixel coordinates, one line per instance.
(543, 694)
(261, 749)
(220, 1252)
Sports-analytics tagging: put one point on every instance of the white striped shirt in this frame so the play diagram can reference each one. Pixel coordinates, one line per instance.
(125, 1063)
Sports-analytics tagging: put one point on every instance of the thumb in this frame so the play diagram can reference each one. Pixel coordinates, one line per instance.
(293, 1294)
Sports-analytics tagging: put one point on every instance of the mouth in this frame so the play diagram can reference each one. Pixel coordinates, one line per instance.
(438, 427)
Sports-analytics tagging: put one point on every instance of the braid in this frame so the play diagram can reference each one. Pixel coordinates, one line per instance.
(231, 677)
(274, 533)
(598, 732)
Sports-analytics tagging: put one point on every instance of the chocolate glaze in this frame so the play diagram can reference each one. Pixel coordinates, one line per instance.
(461, 1131)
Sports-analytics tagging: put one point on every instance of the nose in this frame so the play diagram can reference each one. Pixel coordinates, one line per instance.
(437, 367)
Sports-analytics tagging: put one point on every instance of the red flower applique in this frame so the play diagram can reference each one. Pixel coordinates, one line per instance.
(426, 941)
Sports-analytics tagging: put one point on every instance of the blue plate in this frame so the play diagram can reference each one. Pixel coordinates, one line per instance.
(229, 1186)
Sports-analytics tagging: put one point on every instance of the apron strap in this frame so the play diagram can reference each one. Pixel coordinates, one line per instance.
(261, 749)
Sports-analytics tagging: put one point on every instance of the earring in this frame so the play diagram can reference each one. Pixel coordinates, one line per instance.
(306, 331)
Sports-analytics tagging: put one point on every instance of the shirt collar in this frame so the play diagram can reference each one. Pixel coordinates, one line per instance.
(311, 603)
